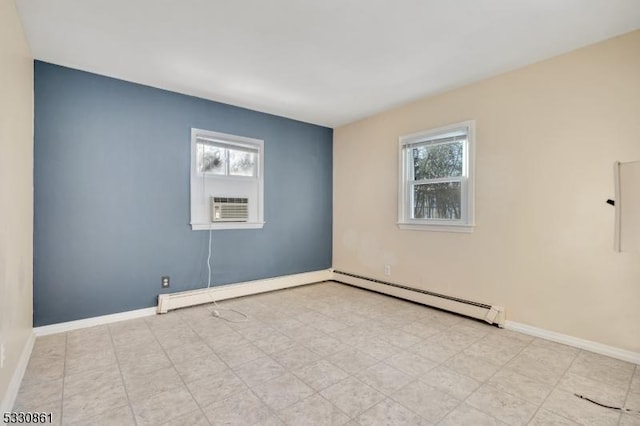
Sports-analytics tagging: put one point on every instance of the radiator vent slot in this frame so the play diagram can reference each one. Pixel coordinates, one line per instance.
(483, 311)
(229, 209)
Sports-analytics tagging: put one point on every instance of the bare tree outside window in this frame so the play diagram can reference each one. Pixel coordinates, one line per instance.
(436, 174)
(435, 194)
(216, 160)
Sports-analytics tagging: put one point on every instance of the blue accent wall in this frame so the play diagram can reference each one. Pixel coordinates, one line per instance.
(112, 196)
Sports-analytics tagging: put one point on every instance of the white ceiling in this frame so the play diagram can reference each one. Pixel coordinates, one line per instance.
(327, 62)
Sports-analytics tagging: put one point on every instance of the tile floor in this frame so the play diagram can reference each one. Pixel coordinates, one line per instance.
(323, 354)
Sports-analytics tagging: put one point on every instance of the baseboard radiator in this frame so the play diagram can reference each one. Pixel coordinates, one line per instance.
(183, 299)
(482, 311)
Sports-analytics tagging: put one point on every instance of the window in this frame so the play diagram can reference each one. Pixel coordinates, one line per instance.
(224, 159)
(226, 167)
(436, 179)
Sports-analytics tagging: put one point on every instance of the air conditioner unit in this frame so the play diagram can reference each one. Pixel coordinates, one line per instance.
(228, 209)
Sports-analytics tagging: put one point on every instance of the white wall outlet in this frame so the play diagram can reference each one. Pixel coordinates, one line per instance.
(387, 269)
(3, 355)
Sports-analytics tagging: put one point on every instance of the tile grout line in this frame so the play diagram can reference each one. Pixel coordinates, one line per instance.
(517, 396)
(250, 388)
(124, 385)
(442, 364)
(407, 349)
(155, 338)
(91, 371)
(416, 378)
(191, 322)
(228, 367)
(291, 372)
(486, 382)
(556, 387)
(64, 375)
(287, 370)
(628, 395)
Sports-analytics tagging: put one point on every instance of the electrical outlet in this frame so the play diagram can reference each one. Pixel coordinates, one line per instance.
(387, 269)
(165, 282)
(3, 355)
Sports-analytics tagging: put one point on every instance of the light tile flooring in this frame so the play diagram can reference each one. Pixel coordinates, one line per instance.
(320, 354)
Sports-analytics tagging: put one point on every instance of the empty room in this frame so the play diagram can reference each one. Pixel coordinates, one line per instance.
(320, 213)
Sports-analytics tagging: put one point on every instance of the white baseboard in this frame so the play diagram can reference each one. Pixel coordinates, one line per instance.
(190, 298)
(14, 385)
(167, 302)
(588, 345)
(62, 327)
(491, 314)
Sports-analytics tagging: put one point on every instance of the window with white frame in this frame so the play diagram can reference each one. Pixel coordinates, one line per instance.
(226, 181)
(436, 179)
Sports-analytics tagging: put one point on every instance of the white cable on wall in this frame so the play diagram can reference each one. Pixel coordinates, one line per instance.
(216, 311)
(218, 308)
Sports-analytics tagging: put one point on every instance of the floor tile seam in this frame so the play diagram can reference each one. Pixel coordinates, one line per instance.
(400, 404)
(602, 385)
(626, 399)
(188, 323)
(460, 402)
(124, 385)
(277, 412)
(420, 379)
(422, 339)
(537, 359)
(595, 380)
(422, 417)
(215, 351)
(64, 376)
(271, 410)
(551, 348)
(263, 381)
(249, 389)
(184, 383)
(488, 383)
(555, 387)
(628, 395)
(375, 388)
(440, 363)
(119, 347)
(37, 385)
(340, 409)
(38, 382)
(127, 404)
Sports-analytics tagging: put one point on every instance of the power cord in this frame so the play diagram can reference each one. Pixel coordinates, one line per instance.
(218, 308)
(624, 410)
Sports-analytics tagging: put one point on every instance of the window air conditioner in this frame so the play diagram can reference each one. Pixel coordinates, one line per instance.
(227, 209)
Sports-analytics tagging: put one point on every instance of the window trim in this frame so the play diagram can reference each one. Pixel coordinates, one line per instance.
(230, 140)
(405, 183)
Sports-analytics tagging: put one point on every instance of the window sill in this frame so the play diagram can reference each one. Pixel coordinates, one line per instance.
(436, 228)
(216, 226)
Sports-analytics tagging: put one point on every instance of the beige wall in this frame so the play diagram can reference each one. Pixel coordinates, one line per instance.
(16, 190)
(547, 137)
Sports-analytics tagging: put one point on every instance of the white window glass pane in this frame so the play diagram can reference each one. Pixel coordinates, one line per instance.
(437, 201)
(242, 163)
(211, 159)
(438, 160)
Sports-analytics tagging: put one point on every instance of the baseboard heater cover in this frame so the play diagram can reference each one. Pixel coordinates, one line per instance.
(489, 313)
(170, 301)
